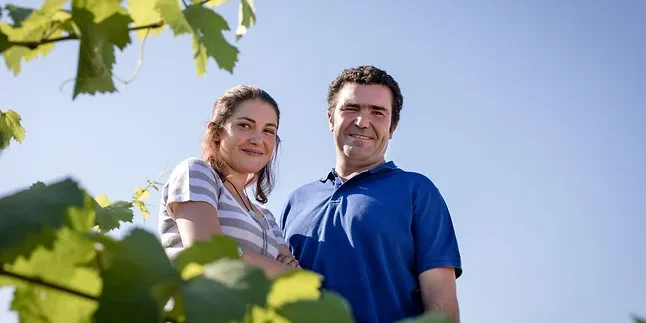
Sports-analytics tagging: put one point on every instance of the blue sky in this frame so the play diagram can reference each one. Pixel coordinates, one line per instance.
(529, 117)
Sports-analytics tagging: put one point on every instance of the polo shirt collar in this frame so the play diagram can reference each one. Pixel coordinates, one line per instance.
(390, 165)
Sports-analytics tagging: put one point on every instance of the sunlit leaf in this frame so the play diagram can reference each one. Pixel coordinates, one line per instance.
(208, 40)
(32, 28)
(110, 216)
(172, 14)
(103, 25)
(224, 292)
(28, 218)
(141, 194)
(205, 252)
(142, 208)
(246, 17)
(211, 3)
(144, 12)
(293, 286)
(60, 267)
(336, 310)
(10, 128)
(18, 14)
(138, 279)
(4, 41)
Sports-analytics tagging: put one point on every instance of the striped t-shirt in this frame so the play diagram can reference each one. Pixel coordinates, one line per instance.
(195, 180)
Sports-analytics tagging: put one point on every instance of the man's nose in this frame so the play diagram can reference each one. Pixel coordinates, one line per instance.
(362, 121)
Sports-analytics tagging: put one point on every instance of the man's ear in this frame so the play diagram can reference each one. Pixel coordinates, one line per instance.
(392, 130)
(330, 120)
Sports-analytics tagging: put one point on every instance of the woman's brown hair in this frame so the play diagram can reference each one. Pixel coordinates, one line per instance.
(223, 108)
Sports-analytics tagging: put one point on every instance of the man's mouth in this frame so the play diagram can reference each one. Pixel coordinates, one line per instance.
(253, 152)
(362, 137)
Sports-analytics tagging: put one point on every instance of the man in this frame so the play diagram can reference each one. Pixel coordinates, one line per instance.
(382, 237)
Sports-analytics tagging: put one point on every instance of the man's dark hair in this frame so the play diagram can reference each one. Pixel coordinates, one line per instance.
(367, 75)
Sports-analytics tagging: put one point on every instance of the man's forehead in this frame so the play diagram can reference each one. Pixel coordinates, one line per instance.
(372, 94)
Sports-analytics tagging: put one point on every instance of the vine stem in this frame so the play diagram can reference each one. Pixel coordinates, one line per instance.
(43, 283)
(34, 44)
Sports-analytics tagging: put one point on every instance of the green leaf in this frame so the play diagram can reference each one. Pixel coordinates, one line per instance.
(103, 25)
(172, 14)
(336, 310)
(639, 320)
(10, 128)
(28, 218)
(142, 208)
(225, 292)
(4, 41)
(109, 217)
(205, 252)
(18, 14)
(138, 279)
(434, 317)
(246, 17)
(59, 267)
(144, 12)
(33, 28)
(208, 40)
(210, 3)
(294, 286)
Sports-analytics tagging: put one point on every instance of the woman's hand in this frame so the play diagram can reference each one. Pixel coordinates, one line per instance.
(289, 260)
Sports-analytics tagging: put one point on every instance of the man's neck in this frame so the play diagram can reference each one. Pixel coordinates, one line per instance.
(347, 169)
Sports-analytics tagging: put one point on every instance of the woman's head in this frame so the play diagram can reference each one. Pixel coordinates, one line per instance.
(242, 137)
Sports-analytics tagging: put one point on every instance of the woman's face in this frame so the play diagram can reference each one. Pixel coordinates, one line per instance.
(248, 137)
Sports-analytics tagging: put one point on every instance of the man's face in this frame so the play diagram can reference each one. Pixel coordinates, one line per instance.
(361, 122)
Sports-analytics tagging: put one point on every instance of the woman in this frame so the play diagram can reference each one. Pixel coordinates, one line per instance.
(207, 196)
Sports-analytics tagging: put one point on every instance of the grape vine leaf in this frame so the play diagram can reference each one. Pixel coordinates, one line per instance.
(28, 218)
(57, 267)
(205, 252)
(145, 12)
(98, 39)
(210, 3)
(4, 40)
(138, 278)
(172, 14)
(225, 292)
(18, 14)
(246, 17)
(208, 40)
(10, 128)
(433, 317)
(293, 286)
(110, 215)
(336, 309)
(33, 28)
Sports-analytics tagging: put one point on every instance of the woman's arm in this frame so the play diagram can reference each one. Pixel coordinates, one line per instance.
(198, 221)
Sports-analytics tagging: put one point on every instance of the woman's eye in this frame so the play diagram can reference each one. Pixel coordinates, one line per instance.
(245, 125)
(270, 131)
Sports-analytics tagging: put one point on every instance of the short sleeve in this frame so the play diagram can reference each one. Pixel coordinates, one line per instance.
(275, 229)
(436, 244)
(193, 180)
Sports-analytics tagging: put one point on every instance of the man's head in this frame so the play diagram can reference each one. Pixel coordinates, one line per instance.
(364, 104)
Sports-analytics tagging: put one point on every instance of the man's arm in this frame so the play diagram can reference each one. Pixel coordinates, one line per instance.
(439, 293)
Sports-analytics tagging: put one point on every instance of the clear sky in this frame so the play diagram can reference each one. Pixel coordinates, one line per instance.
(529, 117)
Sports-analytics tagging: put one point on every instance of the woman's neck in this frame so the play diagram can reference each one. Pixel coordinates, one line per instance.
(237, 180)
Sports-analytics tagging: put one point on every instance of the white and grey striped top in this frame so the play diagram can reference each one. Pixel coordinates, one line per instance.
(195, 180)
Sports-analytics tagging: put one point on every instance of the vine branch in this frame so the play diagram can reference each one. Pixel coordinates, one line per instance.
(35, 44)
(43, 283)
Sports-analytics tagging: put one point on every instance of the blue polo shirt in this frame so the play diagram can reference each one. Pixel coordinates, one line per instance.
(371, 237)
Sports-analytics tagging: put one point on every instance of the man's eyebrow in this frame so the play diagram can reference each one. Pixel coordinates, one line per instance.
(357, 105)
(271, 124)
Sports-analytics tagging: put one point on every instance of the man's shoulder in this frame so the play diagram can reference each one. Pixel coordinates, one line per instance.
(418, 180)
(305, 190)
